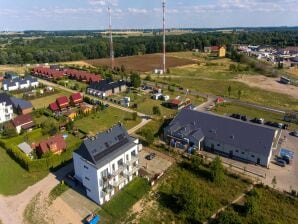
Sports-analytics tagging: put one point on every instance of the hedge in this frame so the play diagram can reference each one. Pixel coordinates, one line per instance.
(42, 164)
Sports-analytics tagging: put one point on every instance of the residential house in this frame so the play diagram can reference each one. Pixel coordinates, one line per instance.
(219, 51)
(19, 83)
(106, 88)
(21, 106)
(23, 122)
(104, 164)
(71, 114)
(237, 139)
(178, 103)
(11, 75)
(76, 99)
(47, 73)
(62, 102)
(55, 145)
(6, 108)
(86, 108)
(82, 76)
(26, 148)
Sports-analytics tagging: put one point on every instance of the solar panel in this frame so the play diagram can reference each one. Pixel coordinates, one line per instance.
(107, 151)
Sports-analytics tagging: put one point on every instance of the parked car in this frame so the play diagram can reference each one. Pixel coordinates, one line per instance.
(244, 117)
(151, 156)
(258, 120)
(295, 133)
(286, 158)
(280, 162)
(236, 116)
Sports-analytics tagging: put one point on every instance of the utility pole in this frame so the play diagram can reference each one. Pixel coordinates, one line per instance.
(111, 40)
(164, 35)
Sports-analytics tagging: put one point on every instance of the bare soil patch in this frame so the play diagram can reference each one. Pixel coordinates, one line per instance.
(268, 84)
(142, 63)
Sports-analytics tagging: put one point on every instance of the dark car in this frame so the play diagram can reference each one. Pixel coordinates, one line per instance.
(236, 116)
(244, 117)
(107, 105)
(151, 156)
(286, 158)
(280, 162)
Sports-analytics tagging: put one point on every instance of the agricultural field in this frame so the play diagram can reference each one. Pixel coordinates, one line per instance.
(143, 63)
(8, 169)
(229, 109)
(249, 94)
(13, 68)
(105, 119)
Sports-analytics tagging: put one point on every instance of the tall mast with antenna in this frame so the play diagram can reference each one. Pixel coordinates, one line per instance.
(111, 39)
(164, 34)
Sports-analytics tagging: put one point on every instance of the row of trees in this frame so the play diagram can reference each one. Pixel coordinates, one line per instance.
(64, 48)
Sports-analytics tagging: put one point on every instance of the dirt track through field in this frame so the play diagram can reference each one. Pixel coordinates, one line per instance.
(269, 84)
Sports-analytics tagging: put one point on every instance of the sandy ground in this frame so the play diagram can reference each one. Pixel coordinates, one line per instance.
(269, 84)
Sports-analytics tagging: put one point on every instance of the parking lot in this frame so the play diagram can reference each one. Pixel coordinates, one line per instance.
(160, 163)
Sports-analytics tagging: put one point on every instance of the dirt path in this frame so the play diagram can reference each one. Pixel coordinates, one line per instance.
(269, 84)
(12, 208)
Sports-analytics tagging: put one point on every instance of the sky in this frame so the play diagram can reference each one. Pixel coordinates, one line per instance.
(18, 15)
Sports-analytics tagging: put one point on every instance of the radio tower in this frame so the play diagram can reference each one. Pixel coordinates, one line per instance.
(164, 34)
(111, 40)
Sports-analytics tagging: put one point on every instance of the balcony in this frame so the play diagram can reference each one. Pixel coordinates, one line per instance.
(107, 178)
(132, 160)
(119, 170)
(120, 181)
(107, 190)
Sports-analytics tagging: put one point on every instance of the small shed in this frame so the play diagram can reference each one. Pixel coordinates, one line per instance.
(25, 148)
(157, 96)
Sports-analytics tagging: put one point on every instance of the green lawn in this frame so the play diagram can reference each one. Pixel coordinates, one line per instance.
(253, 95)
(34, 136)
(105, 119)
(13, 178)
(229, 108)
(273, 207)
(116, 209)
(45, 101)
(165, 210)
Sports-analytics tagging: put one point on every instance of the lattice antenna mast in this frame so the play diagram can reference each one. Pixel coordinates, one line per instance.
(164, 34)
(111, 39)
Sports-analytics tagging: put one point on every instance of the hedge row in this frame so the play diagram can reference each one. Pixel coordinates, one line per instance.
(42, 164)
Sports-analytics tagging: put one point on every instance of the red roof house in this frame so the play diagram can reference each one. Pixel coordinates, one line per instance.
(55, 144)
(76, 98)
(62, 102)
(220, 100)
(54, 107)
(23, 122)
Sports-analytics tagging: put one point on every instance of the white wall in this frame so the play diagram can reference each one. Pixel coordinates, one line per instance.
(6, 112)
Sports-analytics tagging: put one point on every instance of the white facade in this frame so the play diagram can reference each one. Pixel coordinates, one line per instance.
(6, 112)
(19, 84)
(103, 182)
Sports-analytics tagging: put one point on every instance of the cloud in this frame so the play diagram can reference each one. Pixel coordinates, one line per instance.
(103, 2)
(137, 11)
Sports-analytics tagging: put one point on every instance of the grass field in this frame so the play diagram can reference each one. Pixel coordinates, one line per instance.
(164, 210)
(273, 207)
(114, 210)
(13, 68)
(229, 108)
(142, 63)
(105, 119)
(45, 101)
(249, 94)
(13, 178)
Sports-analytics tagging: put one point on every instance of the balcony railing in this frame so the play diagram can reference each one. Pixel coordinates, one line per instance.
(107, 190)
(119, 170)
(107, 178)
(132, 160)
(120, 181)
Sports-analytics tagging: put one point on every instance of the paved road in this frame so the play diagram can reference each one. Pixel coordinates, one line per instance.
(12, 207)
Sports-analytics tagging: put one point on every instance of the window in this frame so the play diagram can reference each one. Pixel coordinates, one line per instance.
(87, 178)
(253, 156)
(127, 157)
(86, 167)
(237, 150)
(113, 167)
(218, 144)
(242, 153)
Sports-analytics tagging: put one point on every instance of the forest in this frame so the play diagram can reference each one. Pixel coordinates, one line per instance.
(43, 47)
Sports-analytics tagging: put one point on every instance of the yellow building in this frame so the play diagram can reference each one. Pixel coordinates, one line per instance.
(222, 52)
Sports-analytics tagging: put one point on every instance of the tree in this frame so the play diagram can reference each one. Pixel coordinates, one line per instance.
(134, 116)
(240, 92)
(217, 171)
(9, 130)
(228, 216)
(274, 182)
(49, 127)
(229, 90)
(135, 80)
(156, 110)
(251, 205)
(148, 135)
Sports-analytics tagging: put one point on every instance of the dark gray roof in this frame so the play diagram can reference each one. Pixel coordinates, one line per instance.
(106, 85)
(244, 135)
(22, 104)
(5, 98)
(106, 146)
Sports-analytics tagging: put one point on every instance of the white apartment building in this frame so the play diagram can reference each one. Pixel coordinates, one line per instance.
(6, 109)
(16, 84)
(105, 163)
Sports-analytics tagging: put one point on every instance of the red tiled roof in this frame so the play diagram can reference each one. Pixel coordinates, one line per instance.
(76, 98)
(175, 101)
(62, 101)
(53, 106)
(47, 72)
(53, 144)
(22, 119)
